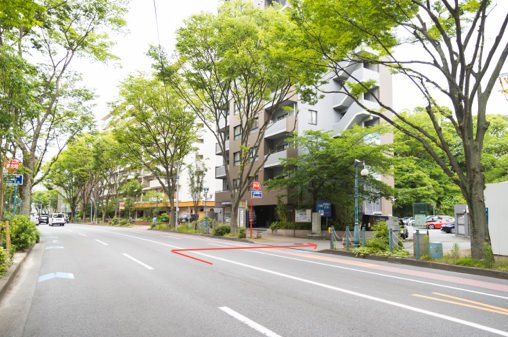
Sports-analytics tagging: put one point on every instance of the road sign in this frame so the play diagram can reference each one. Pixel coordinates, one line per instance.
(256, 185)
(324, 208)
(16, 180)
(122, 205)
(257, 194)
(13, 165)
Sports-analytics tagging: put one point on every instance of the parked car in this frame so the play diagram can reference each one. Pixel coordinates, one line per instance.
(448, 228)
(57, 219)
(188, 218)
(436, 221)
(43, 218)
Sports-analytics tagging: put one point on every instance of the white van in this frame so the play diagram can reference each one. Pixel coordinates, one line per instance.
(57, 219)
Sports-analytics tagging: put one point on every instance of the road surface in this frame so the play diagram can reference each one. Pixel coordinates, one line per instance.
(84, 280)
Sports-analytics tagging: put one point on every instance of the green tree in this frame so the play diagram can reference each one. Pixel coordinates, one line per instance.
(70, 173)
(456, 62)
(324, 169)
(197, 172)
(131, 190)
(419, 178)
(241, 61)
(155, 129)
(55, 33)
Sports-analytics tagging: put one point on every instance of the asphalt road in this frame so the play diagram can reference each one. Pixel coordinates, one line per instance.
(106, 281)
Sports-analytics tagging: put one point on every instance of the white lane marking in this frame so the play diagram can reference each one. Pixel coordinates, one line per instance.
(365, 296)
(381, 274)
(258, 327)
(137, 261)
(102, 242)
(53, 247)
(82, 234)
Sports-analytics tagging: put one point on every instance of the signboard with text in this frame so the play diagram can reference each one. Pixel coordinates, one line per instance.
(16, 179)
(257, 194)
(303, 215)
(324, 208)
(13, 165)
(256, 185)
(122, 205)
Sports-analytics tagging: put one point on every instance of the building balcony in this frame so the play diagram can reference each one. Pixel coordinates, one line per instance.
(275, 158)
(218, 150)
(223, 197)
(220, 172)
(281, 127)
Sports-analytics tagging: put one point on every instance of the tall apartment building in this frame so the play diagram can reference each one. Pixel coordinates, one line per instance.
(334, 112)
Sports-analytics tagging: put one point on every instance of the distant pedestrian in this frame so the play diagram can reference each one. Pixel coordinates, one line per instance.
(154, 220)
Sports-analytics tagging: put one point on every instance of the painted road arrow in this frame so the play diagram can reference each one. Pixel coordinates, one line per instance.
(177, 251)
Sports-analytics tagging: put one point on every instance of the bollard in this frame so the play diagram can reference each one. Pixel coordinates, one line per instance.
(391, 241)
(363, 236)
(7, 237)
(347, 238)
(332, 234)
(417, 244)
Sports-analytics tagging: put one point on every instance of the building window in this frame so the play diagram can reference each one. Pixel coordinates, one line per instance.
(236, 159)
(237, 132)
(252, 155)
(282, 147)
(372, 95)
(254, 125)
(313, 117)
(370, 66)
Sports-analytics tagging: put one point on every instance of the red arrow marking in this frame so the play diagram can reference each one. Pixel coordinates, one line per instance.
(177, 251)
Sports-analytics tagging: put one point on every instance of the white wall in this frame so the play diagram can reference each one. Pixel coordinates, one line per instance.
(496, 200)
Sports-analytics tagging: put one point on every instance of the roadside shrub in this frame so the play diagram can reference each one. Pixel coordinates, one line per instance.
(4, 261)
(114, 221)
(469, 262)
(488, 255)
(289, 225)
(379, 244)
(124, 222)
(221, 230)
(241, 233)
(24, 233)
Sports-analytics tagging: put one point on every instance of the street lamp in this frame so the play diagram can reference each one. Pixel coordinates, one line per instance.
(364, 173)
(205, 189)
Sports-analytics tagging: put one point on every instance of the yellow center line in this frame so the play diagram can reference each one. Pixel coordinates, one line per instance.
(461, 304)
(473, 302)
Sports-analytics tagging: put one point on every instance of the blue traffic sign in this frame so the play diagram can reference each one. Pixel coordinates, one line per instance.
(256, 194)
(324, 208)
(16, 180)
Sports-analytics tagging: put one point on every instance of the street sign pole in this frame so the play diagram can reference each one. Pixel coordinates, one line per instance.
(250, 214)
(15, 197)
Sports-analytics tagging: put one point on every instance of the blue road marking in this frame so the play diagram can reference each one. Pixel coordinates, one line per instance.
(69, 276)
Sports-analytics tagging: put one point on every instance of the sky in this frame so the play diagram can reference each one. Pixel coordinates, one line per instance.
(141, 31)
(133, 44)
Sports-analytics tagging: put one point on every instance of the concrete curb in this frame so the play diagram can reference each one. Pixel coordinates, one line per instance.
(13, 270)
(426, 264)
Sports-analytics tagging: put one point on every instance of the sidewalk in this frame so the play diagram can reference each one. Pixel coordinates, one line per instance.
(278, 240)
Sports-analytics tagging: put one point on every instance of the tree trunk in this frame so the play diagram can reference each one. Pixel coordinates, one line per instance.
(476, 202)
(26, 191)
(234, 217)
